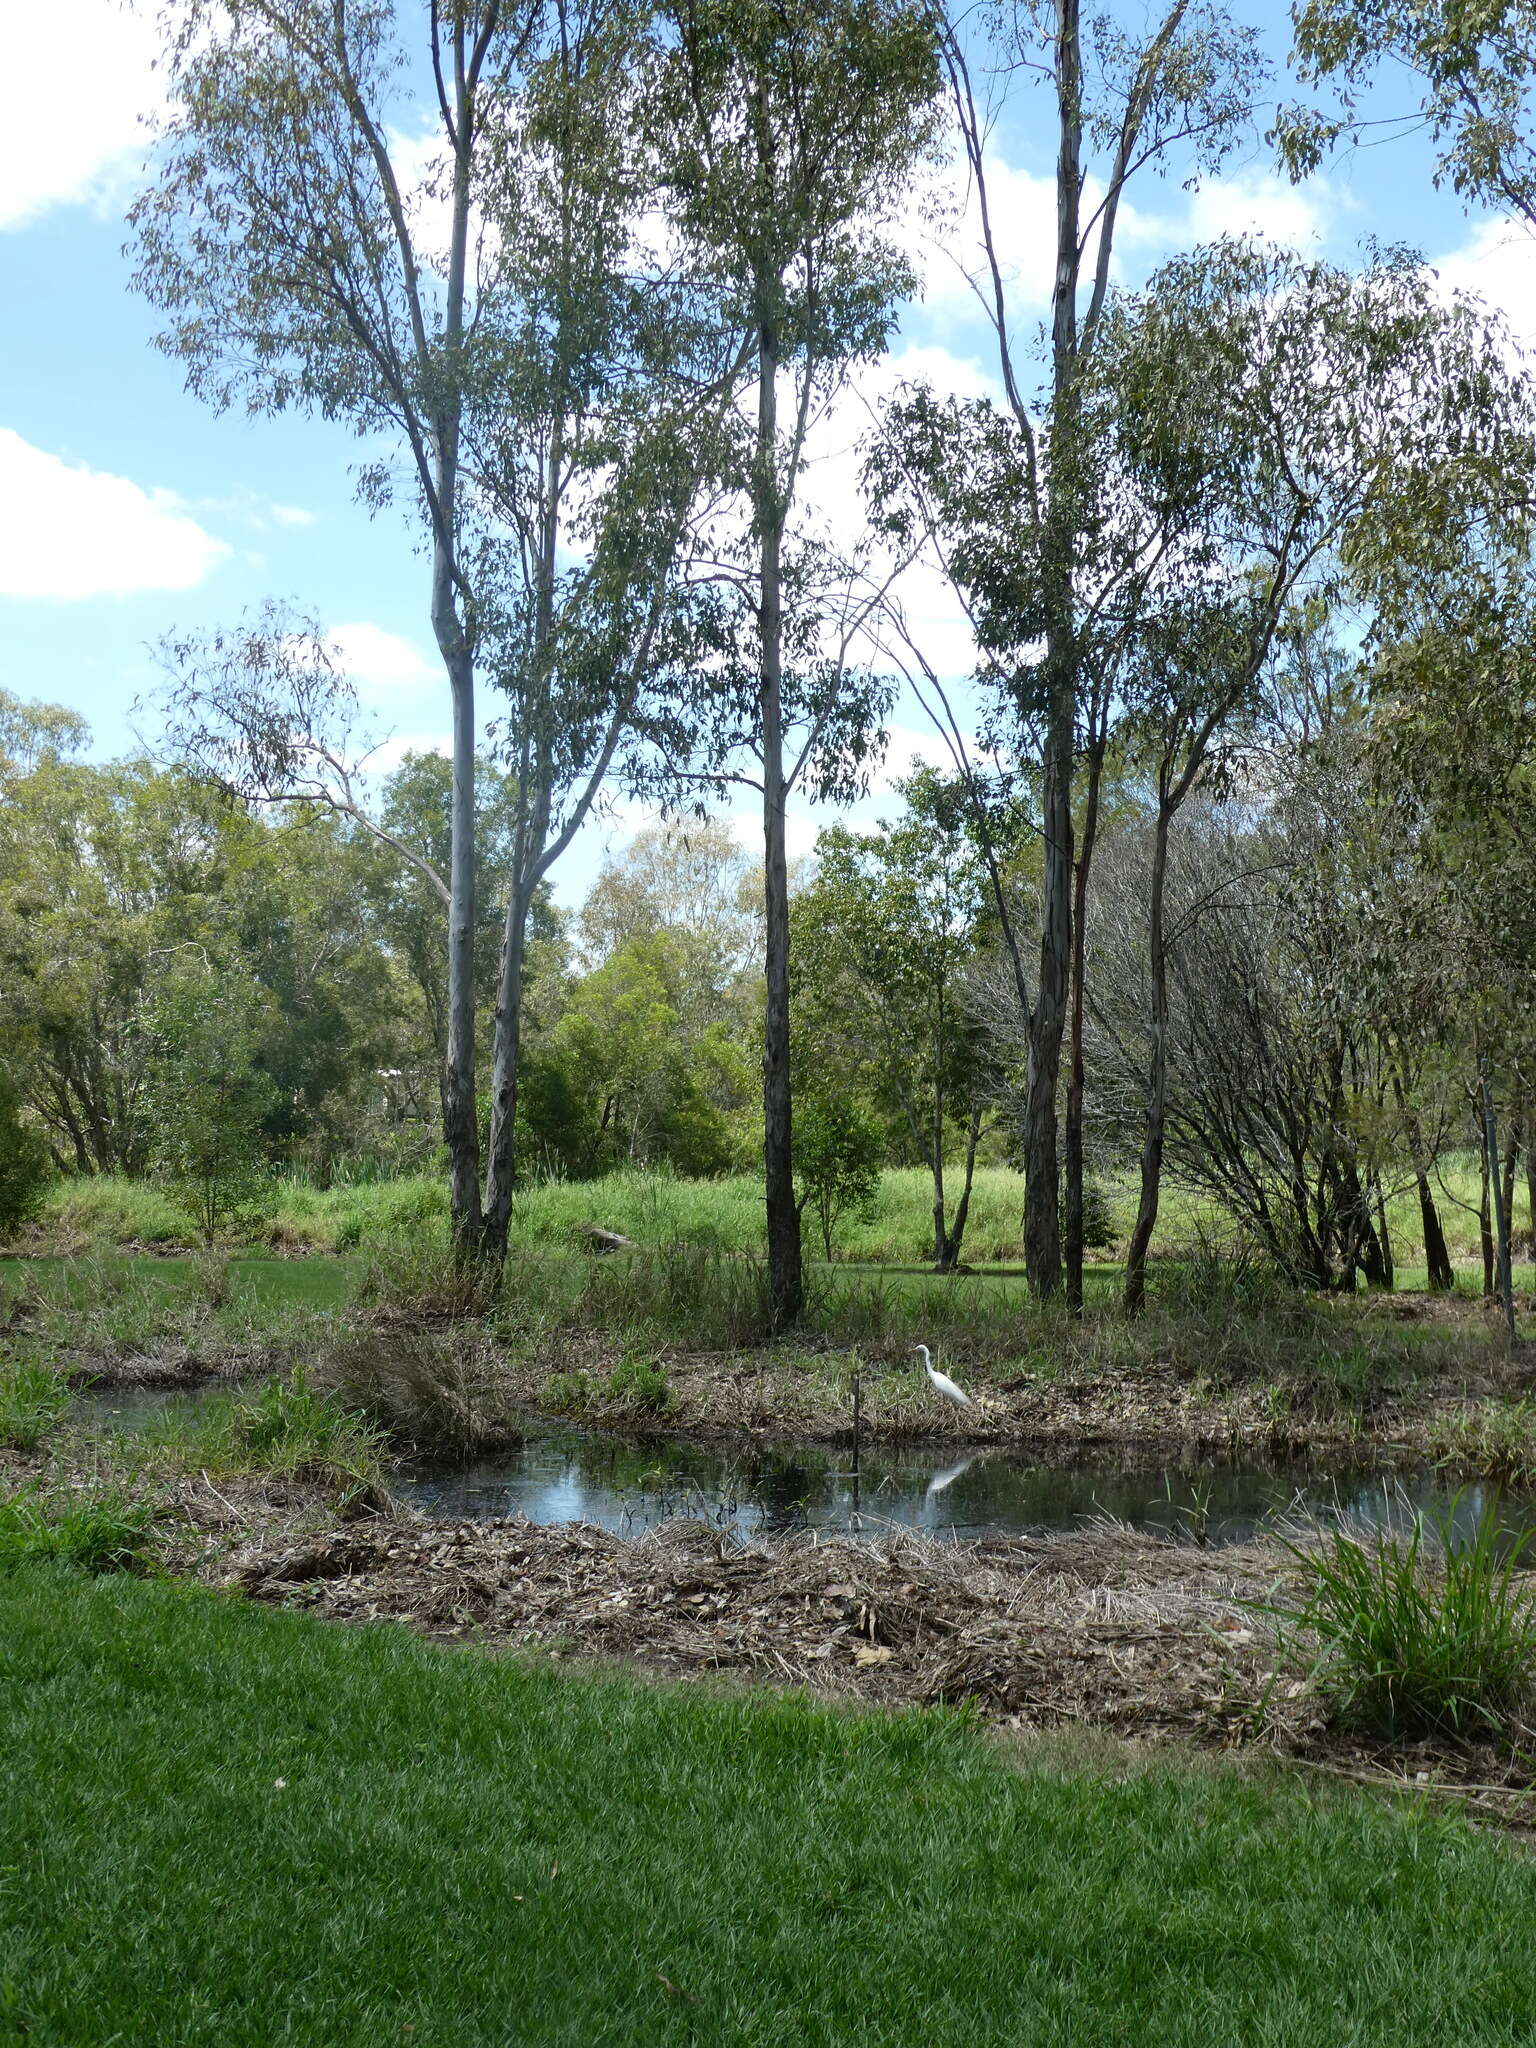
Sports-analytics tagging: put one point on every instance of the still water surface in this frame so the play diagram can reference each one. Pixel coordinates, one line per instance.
(573, 1475)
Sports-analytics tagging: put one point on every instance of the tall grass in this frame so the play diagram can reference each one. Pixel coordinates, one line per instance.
(102, 1530)
(655, 1208)
(1496, 1439)
(286, 1429)
(33, 1400)
(1427, 1632)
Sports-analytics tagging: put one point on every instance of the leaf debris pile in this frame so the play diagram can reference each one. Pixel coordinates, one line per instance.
(1104, 1625)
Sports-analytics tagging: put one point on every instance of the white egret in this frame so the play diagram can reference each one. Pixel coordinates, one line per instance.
(941, 1381)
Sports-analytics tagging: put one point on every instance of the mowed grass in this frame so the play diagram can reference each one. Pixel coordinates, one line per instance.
(234, 1826)
(164, 1281)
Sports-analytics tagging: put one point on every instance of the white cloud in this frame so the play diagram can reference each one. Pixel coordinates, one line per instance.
(71, 111)
(833, 504)
(1260, 203)
(943, 232)
(831, 490)
(1498, 264)
(378, 662)
(71, 532)
(801, 827)
(291, 515)
(904, 743)
(620, 818)
(944, 239)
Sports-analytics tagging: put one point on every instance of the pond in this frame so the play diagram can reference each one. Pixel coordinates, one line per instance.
(564, 1474)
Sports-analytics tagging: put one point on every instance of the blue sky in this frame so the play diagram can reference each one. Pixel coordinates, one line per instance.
(128, 510)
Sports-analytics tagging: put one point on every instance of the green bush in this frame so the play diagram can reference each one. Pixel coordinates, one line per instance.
(32, 1399)
(110, 1210)
(1099, 1234)
(205, 1099)
(100, 1531)
(1419, 1634)
(286, 1428)
(25, 1165)
(838, 1149)
(640, 1382)
(678, 1294)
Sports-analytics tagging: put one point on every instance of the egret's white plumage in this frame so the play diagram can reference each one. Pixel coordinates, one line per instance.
(941, 1381)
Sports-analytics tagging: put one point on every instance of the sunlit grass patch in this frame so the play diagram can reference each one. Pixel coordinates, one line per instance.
(274, 1812)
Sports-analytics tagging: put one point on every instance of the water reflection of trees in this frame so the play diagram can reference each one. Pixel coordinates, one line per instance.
(630, 1484)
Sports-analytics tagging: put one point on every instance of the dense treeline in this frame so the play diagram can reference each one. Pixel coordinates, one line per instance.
(1223, 879)
(128, 888)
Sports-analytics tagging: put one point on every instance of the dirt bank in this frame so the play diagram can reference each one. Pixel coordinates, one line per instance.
(1404, 1408)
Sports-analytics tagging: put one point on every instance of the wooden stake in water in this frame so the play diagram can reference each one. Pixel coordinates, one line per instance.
(858, 1426)
(1500, 1217)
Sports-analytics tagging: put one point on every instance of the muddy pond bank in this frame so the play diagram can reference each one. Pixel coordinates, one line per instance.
(454, 1388)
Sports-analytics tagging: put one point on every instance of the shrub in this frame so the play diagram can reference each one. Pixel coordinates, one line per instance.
(32, 1399)
(112, 1210)
(1219, 1276)
(838, 1148)
(424, 1280)
(290, 1428)
(436, 1390)
(100, 1531)
(1098, 1218)
(25, 1165)
(205, 1099)
(1419, 1633)
(400, 1209)
(286, 1428)
(640, 1382)
(1344, 1375)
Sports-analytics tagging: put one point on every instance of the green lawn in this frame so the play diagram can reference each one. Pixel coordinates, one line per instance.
(164, 1280)
(233, 1826)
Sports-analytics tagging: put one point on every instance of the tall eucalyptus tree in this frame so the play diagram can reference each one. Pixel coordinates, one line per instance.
(1011, 492)
(793, 128)
(303, 265)
(478, 295)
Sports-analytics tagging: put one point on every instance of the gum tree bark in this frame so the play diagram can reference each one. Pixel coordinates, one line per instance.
(785, 1262)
